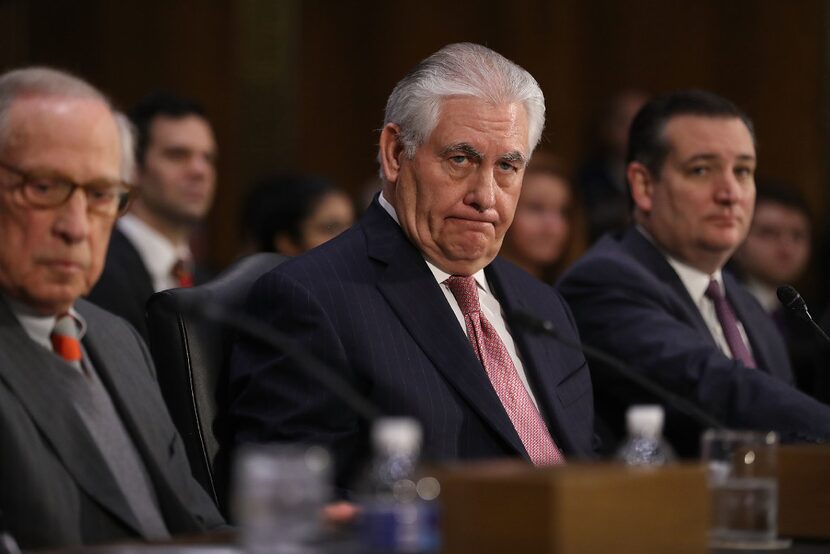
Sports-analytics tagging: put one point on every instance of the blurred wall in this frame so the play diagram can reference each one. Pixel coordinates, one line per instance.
(300, 85)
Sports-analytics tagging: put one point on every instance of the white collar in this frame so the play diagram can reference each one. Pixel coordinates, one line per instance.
(695, 280)
(39, 327)
(766, 295)
(156, 251)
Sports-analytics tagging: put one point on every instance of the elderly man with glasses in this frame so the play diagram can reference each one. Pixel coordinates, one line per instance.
(87, 450)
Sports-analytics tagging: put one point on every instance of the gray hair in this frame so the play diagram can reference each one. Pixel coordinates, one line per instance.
(126, 134)
(463, 69)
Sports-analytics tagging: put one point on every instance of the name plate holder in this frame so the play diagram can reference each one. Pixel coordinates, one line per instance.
(497, 507)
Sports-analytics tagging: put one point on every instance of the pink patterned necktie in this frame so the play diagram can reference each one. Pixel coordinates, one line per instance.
(493, 355)
(729, 324)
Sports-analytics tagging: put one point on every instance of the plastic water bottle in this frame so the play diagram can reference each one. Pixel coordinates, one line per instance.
(399, 506)
(645, 445)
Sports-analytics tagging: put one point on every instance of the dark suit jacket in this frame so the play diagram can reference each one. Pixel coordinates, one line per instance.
(125, 284)
(628, 301)
(56, 489)
(368, 306)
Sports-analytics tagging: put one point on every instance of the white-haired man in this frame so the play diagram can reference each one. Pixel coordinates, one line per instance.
(87, 450)
(409, 305)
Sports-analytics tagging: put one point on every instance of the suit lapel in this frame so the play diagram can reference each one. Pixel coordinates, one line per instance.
(137, 404)
(761, 349)
(541, 356)
(654, 260)
(24, 366)
(416, 298)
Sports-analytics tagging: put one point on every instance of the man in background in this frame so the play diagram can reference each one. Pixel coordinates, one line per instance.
(656, 297)
(88, 452)
(176, 179)
(776, 252)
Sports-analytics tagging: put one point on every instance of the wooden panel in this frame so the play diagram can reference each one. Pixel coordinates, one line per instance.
(301, 85)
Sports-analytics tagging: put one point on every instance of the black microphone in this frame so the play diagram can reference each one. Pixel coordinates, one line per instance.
(791, 300)
(255, 328)
(534, 324)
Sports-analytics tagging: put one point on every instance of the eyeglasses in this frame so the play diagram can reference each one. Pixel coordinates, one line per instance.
(103, 196)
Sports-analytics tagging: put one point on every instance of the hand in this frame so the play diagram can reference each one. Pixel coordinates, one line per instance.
(340, 513)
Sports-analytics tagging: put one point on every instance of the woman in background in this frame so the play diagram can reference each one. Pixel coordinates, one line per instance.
(290, 214)
(548, 231)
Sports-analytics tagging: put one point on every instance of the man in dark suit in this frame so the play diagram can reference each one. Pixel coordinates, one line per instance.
(409, 305)
(656, 296)
(175, 174)
(88, 452)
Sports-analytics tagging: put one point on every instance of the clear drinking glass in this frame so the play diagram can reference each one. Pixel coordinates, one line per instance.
(279, 494)
(743, 481)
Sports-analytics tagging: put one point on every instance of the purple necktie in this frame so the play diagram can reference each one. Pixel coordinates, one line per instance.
(493, 355)
(729, 324)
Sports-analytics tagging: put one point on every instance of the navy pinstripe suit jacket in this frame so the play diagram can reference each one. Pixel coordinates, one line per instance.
(367, 305)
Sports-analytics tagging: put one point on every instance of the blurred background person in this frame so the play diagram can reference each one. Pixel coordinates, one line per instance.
(776, 252)
(601, 178)
(548, 231)
(290, 214)
(777, 248)
(176, 179)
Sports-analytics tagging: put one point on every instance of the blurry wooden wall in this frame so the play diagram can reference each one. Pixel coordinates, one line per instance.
(300, 85)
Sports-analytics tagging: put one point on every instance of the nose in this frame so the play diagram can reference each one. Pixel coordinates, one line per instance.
(71, 223)
(728, 189)
(199, 166)
(482, 192)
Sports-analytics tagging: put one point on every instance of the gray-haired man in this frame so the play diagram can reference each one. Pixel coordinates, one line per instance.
(409, 305)
(87, 450)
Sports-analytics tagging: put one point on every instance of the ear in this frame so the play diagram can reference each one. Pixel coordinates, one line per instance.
(391, 151)
(641, 185)
(286, 245)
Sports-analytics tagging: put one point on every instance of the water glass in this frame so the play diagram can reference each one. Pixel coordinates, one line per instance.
(743, 481)
(279, 495)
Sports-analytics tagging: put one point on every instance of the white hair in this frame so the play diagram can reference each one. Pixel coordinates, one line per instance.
(463, 69)
(47, 82)
(126, 134)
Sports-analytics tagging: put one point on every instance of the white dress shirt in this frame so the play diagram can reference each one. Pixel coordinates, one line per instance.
(157, 252)
(766, 295)
(489, 306)
(696, 283)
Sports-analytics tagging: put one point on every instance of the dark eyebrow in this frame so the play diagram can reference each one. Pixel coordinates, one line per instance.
(463, 148)
(710, 157)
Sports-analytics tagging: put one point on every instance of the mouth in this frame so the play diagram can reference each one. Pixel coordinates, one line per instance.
(482, 221)
(724, 220)
(64, 266)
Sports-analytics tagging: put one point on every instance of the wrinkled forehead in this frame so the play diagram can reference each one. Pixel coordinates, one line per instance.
(500, 128)
(73, 135)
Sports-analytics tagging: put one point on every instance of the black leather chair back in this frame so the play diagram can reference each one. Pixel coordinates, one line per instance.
(191, 356)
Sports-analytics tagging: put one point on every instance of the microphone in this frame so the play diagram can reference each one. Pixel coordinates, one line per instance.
(793, 301)
(255, 328)
(525, 320)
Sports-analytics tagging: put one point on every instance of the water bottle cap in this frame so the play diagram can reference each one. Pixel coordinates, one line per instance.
(645, 421)
(397, 434)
